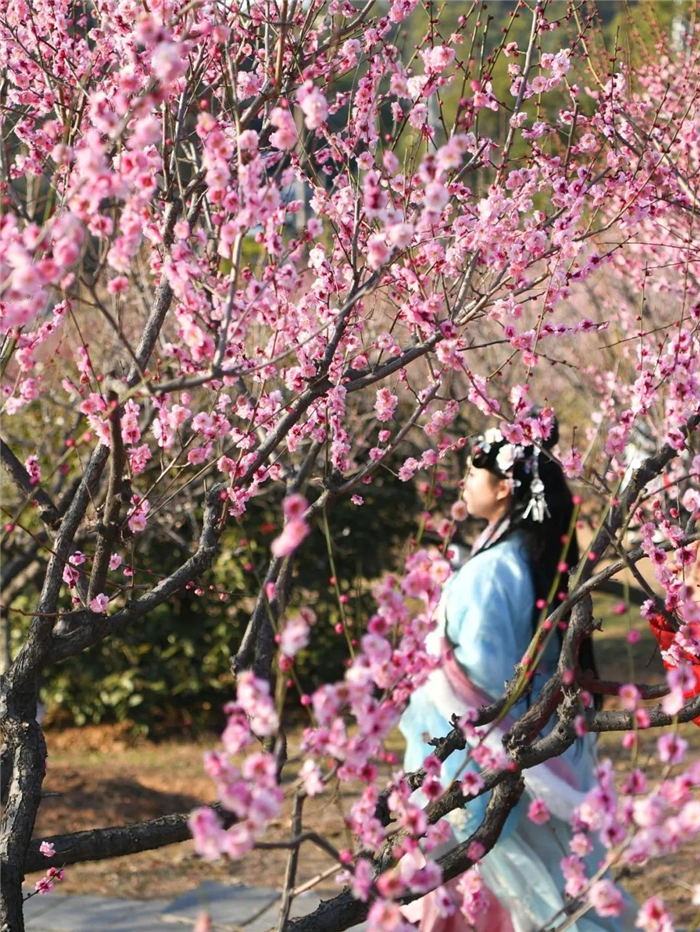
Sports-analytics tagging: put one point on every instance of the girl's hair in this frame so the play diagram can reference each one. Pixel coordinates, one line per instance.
(542, 510)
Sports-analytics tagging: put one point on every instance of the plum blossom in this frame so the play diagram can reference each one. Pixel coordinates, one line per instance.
(294, 506)
(33, 469)
(671, 749)
(444, 903)
(274, 342)
(485, 98)
(169, 61)
(437, 58)
(255, 700)
(408, 469)
(295, 529)
(378, 252)
(295, 634)
(207, 831)
(472, 783)
(474, 893)
(385, 405)
(459, 511)
(574, 871)
(436, 196)
(606, 898)
(311, 778)
(313, 104)
(47, 883)
(538, 812)
(138, 516)
(100, 603)
(285, 135)
(653, 916)
(385, 916)
(361, 880)
(629, 696)
(70, 575)
(399, 235)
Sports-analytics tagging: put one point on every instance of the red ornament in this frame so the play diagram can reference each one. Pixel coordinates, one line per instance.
(664, 634)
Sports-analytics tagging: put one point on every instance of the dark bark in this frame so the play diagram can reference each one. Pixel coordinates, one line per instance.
(115, 841)
(5, 773)
(25, 742)
(619, 720)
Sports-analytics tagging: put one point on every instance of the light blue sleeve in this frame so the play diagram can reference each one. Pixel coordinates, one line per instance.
(489, 609)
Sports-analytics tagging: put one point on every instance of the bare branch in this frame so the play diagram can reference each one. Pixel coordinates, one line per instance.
(161, 304)
(293, 861)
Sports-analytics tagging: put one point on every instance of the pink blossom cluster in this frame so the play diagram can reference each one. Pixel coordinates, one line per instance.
(46, 883)
(53, 875)
(249, 790)
(635, 823)
(295, 527)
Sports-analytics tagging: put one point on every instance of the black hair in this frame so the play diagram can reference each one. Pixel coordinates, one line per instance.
(542, 510)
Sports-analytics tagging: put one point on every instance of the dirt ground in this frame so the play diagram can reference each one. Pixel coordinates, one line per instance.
(100, 776)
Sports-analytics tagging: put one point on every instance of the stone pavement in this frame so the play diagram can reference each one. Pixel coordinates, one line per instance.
(232, 908)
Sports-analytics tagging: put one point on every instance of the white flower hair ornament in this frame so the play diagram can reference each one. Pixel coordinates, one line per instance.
(508, 456)
(493, 451)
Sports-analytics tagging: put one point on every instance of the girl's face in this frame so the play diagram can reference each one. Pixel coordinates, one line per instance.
(487, 496)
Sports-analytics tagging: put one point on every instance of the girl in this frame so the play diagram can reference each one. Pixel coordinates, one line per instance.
(486, 620)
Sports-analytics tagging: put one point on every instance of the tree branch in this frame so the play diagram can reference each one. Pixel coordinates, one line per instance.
(15, 567)
(652, 466)
(161, 304)
(48, 512)
(619, 720)
(94, 627)
(115, 841)
(109, 526)
(257, 644)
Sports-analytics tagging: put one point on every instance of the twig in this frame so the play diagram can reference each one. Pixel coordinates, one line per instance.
(293, 860)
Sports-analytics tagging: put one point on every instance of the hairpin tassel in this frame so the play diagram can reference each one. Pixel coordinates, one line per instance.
(537, 506)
